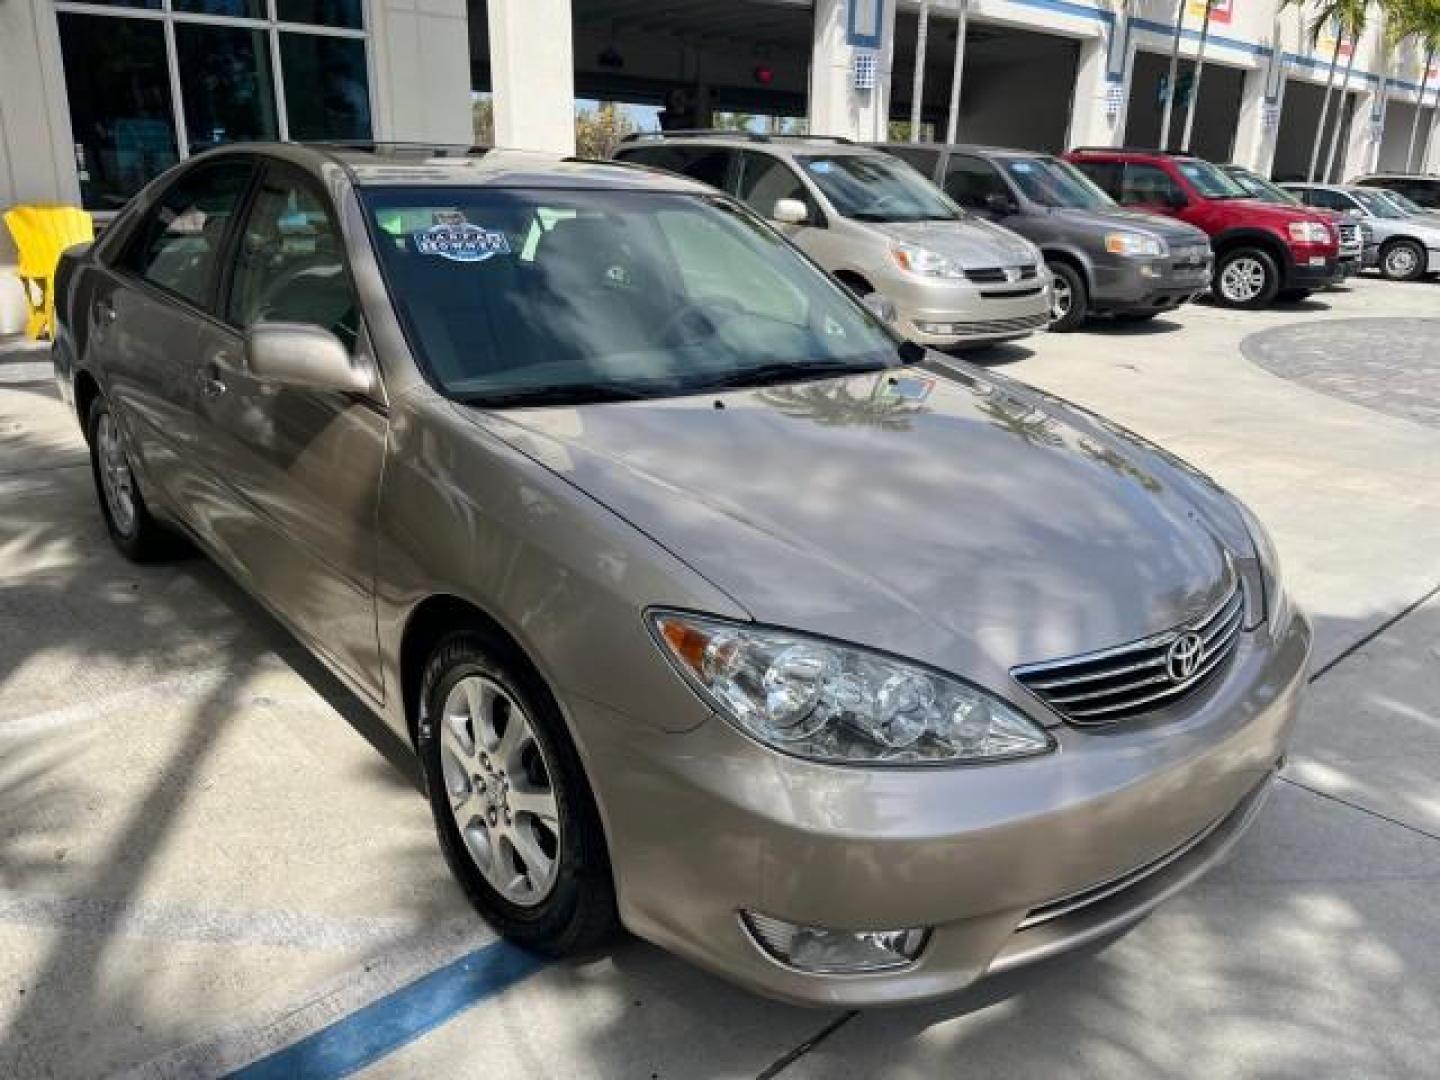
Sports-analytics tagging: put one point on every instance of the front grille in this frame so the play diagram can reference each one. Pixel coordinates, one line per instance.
(1350, 236)
(1014, 294)
(1103, 687)
(1194, 255)
(996, 275)
(1002, 326)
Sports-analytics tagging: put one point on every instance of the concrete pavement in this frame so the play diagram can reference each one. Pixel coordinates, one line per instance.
(208, 852)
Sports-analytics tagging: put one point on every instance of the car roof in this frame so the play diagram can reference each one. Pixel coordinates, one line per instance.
(434, 165)
(751, 141)
(982, 149)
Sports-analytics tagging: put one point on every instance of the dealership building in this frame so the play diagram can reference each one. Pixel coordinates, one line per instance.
(98, 97)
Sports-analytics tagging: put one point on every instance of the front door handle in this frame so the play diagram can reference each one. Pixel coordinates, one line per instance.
(212, 385)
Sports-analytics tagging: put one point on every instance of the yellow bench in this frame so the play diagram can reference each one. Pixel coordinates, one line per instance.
(41, 233)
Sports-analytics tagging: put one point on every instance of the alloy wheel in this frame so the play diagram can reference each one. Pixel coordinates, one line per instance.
(1400, 261)
(1242, 280)
(500, 790)
(1061, 297)
(117, 482)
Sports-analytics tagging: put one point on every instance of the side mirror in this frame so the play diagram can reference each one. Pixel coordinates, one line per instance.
(881, 306)
(790, 212)
(999, 204)
(299, 354)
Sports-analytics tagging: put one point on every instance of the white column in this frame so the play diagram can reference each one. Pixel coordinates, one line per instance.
(836, 107)
(421, 60)
(532, 71)
(1254, 140)
(1102, 81)
(1355, 153)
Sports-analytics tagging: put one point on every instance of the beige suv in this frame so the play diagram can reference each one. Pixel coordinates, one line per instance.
(942, 276)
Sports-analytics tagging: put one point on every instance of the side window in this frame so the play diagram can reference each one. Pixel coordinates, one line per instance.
(290, 262)
(177, 247)
(765, 180)
(1335, 200)
(921, 160)
(1149, 185)
(707, 164)
(971, 181)
(1107, 175)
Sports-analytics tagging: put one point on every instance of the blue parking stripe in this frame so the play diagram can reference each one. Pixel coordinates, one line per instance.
(384, 1026)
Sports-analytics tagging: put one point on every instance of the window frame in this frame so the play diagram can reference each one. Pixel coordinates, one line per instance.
(169, 17)
(122, 260)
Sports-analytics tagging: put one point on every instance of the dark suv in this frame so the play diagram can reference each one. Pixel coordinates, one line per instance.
(1104, 259)
(1262, 250)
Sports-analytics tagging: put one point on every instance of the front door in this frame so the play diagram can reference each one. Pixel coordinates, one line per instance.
(295, 472)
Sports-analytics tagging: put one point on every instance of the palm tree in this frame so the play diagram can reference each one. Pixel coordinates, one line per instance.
(1344, 16)
(1195, 81)
(1418, 20)
(1359, 18)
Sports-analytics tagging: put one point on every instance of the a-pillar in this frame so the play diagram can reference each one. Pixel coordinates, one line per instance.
(532, 72)
(836, 106)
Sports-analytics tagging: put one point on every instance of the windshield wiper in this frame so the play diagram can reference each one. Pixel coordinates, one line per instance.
(563, 394)
(771, 374)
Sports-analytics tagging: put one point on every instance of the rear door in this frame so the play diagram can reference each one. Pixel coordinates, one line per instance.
(147, 313)
(294, 472)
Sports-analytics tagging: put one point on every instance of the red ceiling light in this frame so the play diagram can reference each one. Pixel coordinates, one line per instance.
(764, 74)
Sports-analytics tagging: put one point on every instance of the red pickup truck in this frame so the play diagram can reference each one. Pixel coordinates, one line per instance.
(1262, 250)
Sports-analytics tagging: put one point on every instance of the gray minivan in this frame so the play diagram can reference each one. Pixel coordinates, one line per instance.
(1104, 259)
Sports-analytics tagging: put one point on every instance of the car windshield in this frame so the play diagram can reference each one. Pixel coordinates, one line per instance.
(1260, 188)
(878, 187)
(1210, 181)
(1051, 182)
(1404, 202)
(531, 296)
(1375, 204)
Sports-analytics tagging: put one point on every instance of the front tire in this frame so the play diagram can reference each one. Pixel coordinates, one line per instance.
(133, 530)
(1246, 278)
(513, 812)
(1402, 260)
(1071, 299)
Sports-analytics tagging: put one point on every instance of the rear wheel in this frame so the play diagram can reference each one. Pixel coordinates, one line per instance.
(1402, 260)
(1070, 300)
(138, 536)
(1246, 277)
(515, 817)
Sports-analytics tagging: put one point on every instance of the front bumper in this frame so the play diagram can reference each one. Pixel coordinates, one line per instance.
(992, 858)
(941, 313)
(1148, 284)
(1308, 270)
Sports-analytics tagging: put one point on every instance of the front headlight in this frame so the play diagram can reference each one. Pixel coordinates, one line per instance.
(1266, 589)
(919, 260)
(839, 704)
(1309, 232)
(1134, 244)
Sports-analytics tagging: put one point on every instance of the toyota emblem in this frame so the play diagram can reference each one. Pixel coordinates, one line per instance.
(1184, 657)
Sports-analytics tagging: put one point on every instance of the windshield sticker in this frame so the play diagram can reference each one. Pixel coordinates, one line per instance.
(821, 167)
(1022, 167)
(449, 217)
(461, 243)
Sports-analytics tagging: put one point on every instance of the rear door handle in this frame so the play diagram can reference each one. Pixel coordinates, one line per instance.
(212, 385)
(105, 312)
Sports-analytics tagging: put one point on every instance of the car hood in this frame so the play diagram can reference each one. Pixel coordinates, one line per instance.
(973, 242)
(1276, 212)
(954, 517)
(1171, 231)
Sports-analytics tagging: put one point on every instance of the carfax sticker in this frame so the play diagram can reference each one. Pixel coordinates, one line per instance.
(461, 242)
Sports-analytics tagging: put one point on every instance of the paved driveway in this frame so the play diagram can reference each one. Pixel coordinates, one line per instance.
(211, 860)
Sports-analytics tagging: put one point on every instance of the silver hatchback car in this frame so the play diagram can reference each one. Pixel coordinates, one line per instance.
(710, 607)
(943, 276)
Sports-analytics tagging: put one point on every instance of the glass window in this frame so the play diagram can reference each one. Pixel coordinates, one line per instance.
(877, 187)
(225, 84)
(1373, 204)
(1052, 182)
(121, 120)
(290, 264)
(707, 164)
(765, 180)
(326, 87)
(241, 9)
(1257, 187)
(515, 296)
(344, 13)
(1209, 181)
(1109, 176)
(1150, 185)
(178, 244)
(918, 158)
(971, 182)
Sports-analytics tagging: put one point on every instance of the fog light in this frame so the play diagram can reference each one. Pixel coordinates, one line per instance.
(1150, 271)
(821, 950)
(935, 327)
